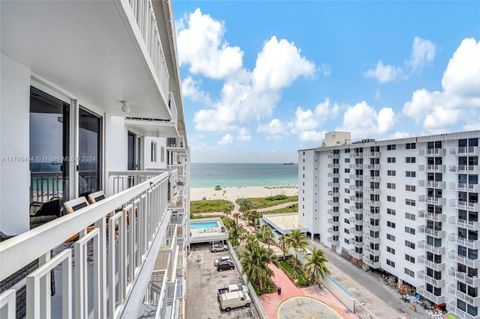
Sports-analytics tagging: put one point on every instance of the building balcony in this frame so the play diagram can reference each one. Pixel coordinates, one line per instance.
(372, 166)
(356, 155)
(432, 151)
(459, 313)
(434, 265)
(428, 295)
(126, 241)
(333, 203)
(464, 205)
(473, 263)
(355, 232)
(369, 178)
(356, 166)
(467, 150)
(432, 200)
(439, 283)
(435, 233)
(367, 226)
(464, 187)
(121, 56)
(468, 169)
(370, 202)
(464, 277)
(435, 250)
(368, 250)
(464, 223)
(333, 184)
(473, 244)
(334, 175)
(333, 232)
(373, 154)
(356, 176)
(370, 190)
(331, 165)
(356, 199)
(372, 264)
(436, 217)
(373, 240)
(354, 187)
(432, 184)
(333, 155)
(474, 301)
(330, 211)
(432, 168)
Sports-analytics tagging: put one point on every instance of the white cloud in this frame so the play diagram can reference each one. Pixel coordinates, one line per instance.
(191, 90)
(243, 134)
(311, 136)
(363, 120)
(460, 97)
(226, 139)
(274, 129)
(279, 64)
(422, 51)
(201, 46)
(383, 72)
(326, 69)
(398, 135)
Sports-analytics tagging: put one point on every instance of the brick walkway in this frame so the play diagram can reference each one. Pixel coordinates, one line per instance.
(272, 301)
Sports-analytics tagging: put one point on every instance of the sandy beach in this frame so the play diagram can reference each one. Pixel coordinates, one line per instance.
(233, 193)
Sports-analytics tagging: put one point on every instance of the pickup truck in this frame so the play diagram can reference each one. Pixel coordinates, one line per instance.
(232, 288)
(235, 299)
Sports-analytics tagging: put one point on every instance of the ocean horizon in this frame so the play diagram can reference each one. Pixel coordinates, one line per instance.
(243, 174)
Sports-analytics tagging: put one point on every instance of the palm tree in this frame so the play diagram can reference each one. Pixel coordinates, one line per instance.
(298, 241)
(236, 216)
(245, 205)
(316, 266)
(251, 216)
(255, 260)
(235, 234)
(266, 234)
(284, 245)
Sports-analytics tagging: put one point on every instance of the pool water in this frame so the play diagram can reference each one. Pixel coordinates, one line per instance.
(204, 225)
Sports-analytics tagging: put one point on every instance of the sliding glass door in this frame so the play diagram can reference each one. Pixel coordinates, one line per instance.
(89, 152)
(49, 151)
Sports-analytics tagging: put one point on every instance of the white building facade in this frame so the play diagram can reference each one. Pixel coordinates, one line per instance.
(91, 103)
(406, 206)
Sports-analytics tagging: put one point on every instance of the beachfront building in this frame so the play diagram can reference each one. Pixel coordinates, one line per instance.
(94, 182)
(406, 206)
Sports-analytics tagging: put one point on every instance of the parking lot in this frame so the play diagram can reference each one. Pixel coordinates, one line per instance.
(203, 282)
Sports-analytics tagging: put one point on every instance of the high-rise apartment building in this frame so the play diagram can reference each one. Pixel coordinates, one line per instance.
(406, 206)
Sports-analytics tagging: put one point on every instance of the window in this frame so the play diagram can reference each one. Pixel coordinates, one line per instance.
(410, 230)
(410, 258)
(410, 188)
(409, 244)
(391, 211)
(411, 146)
(410, 216)
(410, 202)
(391, 173)
(410, 174)
(390, 224)
(391, 250)
(391, 185)
(390, 263)
(390, 237)
(391, 147)
(153, 152)
(391, 160)
(347, 170)
(410, 160)
(162, 154)
(391, 199)
(409, 272)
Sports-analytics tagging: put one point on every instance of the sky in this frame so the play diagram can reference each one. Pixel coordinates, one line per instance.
(262, 79)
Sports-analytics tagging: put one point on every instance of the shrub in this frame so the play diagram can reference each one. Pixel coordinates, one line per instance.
(218, 188)
(277, 197)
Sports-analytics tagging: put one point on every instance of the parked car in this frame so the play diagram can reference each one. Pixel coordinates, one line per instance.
(234, 299)
(232, 288)
(223, 258)
(225, 265)
(216, 247)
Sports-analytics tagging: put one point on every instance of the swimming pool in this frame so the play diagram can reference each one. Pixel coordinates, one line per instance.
(203, 225)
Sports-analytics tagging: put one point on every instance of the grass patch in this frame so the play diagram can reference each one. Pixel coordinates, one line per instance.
(263, 202)
(296, 275)
(289, 209)
(209, 206)
(193, 216)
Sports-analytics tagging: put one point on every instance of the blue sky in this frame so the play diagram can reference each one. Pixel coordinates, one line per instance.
(263, 79)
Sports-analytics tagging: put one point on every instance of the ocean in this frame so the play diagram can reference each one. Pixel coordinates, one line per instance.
(242, 174)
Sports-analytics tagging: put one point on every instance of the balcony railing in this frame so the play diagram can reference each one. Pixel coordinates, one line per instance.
(142, 12)
(430, 296)
(460, 204)
(125, 230)
(468, 169)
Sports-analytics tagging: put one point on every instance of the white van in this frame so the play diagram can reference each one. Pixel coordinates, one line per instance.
(235, 299)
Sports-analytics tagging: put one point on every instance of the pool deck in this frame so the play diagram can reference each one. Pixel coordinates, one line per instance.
(206, 235)
(271, 302)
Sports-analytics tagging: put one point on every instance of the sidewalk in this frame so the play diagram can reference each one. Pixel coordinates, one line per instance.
(368, 289)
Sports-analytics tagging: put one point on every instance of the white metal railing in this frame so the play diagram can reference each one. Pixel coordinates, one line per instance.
(121, 180)
(122, 228)
(172, 105)
(144, 16)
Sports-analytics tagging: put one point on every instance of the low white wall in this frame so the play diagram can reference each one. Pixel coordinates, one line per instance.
(147, 147)
(14, 146)
(340, 293)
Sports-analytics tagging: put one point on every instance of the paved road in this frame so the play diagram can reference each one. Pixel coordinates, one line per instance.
(369, 289)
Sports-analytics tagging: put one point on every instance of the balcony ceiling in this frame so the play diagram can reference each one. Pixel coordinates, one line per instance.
(86, 48)
(153, 128)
